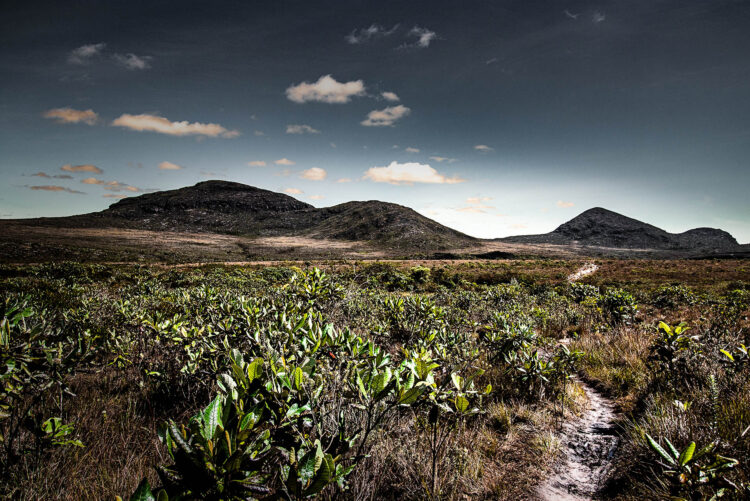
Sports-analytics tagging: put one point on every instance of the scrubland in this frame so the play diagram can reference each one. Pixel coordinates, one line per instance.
(355, 380)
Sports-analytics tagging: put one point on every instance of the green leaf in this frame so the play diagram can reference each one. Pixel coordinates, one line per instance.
(457, 381)
(461, 403)
(658, 448)
(728, 355)
(687, 454)
(308, 465)
(143, 492)
(672, 449)
(323, 476)
(255, 370)
(411, 396)
(297, 376)
(211, 417)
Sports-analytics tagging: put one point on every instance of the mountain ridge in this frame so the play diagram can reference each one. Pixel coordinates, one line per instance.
(605, 228)
(239, 209)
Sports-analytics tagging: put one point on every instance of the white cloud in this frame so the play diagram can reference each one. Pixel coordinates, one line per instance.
(564, 205)
(81, 168)
(344, 180)
(71, 116)
(374, 31)
(410, 149)
(169, 166)
(443, 159)
(316, 197)
(284, 161)
(385, 117)
(257, 163)
(424, 37)
(293, 191)
(133, 62)
(155, 123)
(325, 90)
(408, 173)
(314, 174)
(483, 148)
(84, 53)
(301, 129)
(390, 96)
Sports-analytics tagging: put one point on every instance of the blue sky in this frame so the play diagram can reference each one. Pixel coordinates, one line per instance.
(494, 117)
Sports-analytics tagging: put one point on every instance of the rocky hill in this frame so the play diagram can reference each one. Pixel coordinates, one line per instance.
(604, 228)
(234, 208)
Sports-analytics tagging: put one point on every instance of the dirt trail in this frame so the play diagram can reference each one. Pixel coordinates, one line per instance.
(589, 444)
(586, 269)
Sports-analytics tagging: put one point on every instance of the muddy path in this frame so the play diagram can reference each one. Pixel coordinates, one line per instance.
(589, 444)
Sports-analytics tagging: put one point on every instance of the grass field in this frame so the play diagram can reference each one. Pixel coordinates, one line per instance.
(366, 380)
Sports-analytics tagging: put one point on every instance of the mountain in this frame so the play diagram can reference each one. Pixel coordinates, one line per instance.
(604, 228)
(235, 208)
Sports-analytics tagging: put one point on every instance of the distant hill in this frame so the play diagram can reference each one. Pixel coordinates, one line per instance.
(245, 211)
(235, 208)
(604, 228)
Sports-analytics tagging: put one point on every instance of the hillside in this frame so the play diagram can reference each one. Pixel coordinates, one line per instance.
(604, 228)
(235, 208)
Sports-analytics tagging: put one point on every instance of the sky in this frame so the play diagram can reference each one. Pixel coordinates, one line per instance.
(496, 118)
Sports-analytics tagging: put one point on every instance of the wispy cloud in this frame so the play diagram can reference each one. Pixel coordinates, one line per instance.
(301, 129)
(110, 185)
(316, 197)
(56, 176)
(390, 96)
(85, 53)
(112, 195)
(477, 205)
(483, 148)
(82, 168)
(564, 205)
(259, 133)
(570, 14)
(410, 149)
(443, 159)
(169, 166)
(374, 31)
(155, 123)
(71, 116)
(257, 163)
(344, 180)
(385, 117)
(424, 37)
(408, 173)
(284, 161)
(325, 90)
(293, 191)
(55, 188)
(133, 62)
(598, 17)
(314, 174)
